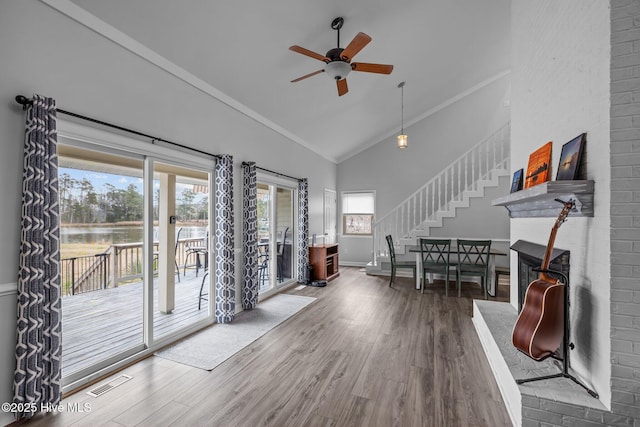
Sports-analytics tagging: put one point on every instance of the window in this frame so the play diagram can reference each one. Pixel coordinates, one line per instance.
(357, 213)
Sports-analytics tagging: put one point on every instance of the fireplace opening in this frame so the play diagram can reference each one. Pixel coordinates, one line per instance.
(530, 257)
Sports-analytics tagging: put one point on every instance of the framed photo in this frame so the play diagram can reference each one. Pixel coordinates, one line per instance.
(516, 183)
(538, 166)
(570, 156)
(357, 224)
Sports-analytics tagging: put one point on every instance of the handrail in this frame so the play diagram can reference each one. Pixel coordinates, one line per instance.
(454, 183)
(120, 263)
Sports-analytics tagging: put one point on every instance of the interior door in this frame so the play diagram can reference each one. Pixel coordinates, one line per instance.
(330, 218)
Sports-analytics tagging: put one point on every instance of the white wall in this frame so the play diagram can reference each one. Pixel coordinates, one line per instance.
(45, 52)
(560, 88)
(434, 143)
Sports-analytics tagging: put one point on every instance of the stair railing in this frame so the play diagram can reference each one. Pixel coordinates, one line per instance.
(461, 176)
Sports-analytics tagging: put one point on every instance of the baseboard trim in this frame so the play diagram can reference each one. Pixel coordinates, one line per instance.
(353, 263)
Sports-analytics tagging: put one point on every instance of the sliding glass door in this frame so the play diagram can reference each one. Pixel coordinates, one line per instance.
(135, 249)
(181, 247)
(102, 261)
(276, 235)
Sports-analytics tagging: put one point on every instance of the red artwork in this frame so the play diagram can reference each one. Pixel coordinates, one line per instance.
(538, 167)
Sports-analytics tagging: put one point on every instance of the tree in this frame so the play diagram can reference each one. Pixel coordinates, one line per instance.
(186, 208)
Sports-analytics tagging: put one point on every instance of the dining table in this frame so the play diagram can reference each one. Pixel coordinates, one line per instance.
(454, 252)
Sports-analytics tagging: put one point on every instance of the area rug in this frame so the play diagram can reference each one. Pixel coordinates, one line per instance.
(212, 346)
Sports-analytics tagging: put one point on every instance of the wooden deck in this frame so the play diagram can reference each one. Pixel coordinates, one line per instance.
(100, 324)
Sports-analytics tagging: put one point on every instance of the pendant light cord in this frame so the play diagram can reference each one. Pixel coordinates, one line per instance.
(402, 109)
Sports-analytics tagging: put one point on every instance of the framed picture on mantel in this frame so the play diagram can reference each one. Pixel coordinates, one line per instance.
(516, 183)
(538, 166)
(569, 166)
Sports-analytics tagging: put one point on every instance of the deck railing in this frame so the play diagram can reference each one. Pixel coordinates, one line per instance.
(84, 274)
(119, 264)
(449, 185)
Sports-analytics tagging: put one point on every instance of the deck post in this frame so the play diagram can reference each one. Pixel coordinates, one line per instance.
(166, 247)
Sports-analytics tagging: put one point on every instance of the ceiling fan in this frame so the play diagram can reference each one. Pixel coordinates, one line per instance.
(338, 60)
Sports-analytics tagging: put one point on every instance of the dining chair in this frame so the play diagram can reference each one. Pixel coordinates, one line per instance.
(473, 260)
(395, 264)
(435, 255)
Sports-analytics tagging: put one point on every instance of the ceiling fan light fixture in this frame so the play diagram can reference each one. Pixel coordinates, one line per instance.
(337, 70)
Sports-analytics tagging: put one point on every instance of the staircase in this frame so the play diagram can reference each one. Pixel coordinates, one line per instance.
(450, 190)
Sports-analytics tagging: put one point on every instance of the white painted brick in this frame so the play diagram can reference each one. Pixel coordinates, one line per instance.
(543, 416)
(622, 49)
(621, 221)
(621, 172)
(630, 411)
(631, 10)
(622, 24)
(564, 409)
(621, 98)
(621, 321)
(621, 346)
(559, 63)
(622, 61)
(622, 246)
(623, 397)
(620, 295)
(622, 122)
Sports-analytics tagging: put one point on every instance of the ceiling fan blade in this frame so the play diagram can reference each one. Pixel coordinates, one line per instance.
(356, 45)
(342, 86)
(372, 68)
(307, 75)
(307, 52)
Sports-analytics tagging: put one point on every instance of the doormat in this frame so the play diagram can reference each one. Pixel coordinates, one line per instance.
(212, 346)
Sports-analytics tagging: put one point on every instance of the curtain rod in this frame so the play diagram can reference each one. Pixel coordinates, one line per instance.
(274, 172)
(24, 101)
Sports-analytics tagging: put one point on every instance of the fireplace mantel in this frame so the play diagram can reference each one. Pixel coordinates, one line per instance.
(540, 200)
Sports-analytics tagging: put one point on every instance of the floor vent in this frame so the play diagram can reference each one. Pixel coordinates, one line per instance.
(102, 389)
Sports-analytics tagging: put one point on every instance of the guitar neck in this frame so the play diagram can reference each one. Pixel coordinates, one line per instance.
(552, 238)
(547, 257)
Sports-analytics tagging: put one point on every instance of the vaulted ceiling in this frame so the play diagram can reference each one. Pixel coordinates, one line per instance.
(442, 49)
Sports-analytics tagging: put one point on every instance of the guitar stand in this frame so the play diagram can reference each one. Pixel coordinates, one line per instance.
(566, 345)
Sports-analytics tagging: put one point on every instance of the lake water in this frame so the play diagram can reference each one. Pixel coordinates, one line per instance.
(112, 235)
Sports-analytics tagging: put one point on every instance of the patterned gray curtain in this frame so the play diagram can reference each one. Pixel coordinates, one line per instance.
(38, 350)
(250, 237)
(303, 229)
(225, 282)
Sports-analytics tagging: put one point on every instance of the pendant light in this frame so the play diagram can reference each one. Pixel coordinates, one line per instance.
(402, 138)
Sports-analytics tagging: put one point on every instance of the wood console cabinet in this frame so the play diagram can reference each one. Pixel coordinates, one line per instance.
(324, 259)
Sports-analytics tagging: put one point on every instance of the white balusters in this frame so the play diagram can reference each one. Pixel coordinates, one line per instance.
(450, 184)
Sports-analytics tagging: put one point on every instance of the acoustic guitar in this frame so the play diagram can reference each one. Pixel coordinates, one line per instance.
(539, 329)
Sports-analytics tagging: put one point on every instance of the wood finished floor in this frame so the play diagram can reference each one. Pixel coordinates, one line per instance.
(363, 354)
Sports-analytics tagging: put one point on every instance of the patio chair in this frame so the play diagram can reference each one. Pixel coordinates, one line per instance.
(280, 259)
(197, 251)
(156, 254)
